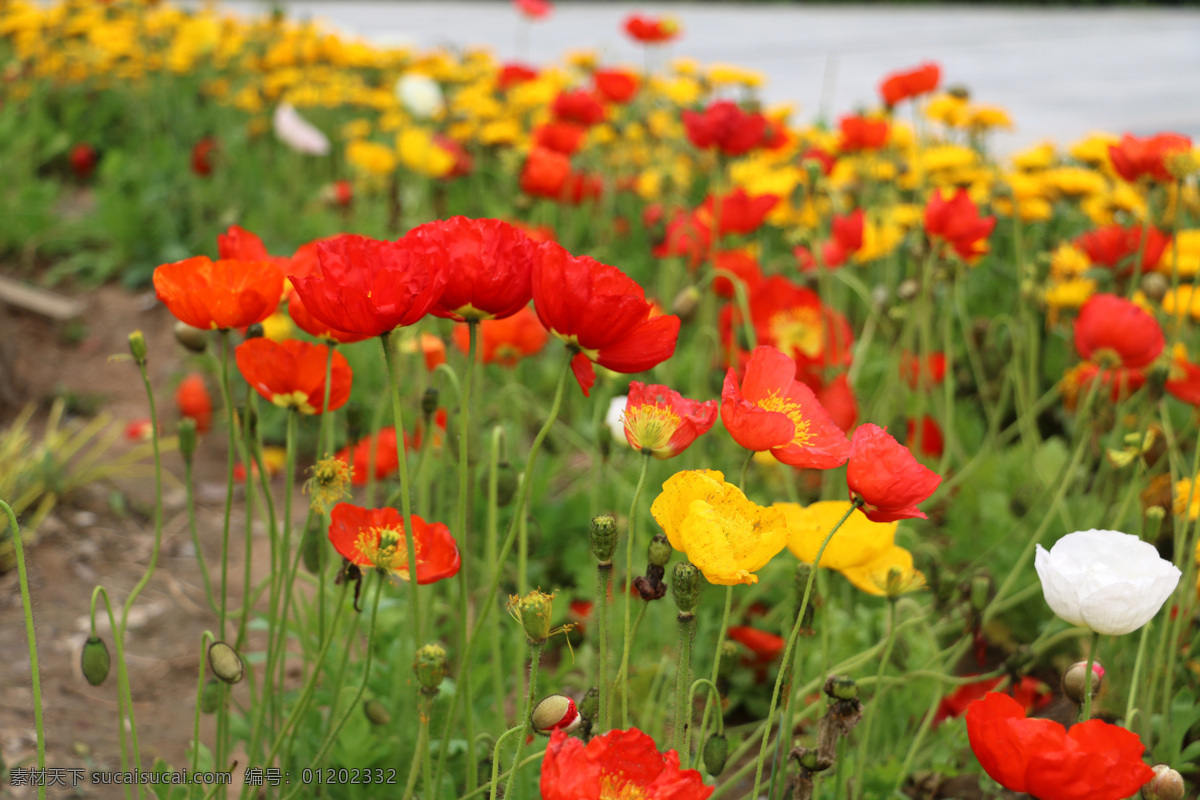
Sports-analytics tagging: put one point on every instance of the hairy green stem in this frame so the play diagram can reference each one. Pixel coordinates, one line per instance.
(31, 639)
(628, 640)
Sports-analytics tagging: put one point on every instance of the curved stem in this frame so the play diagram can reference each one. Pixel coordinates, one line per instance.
(628, 640)
(494, 784)
(31, 638)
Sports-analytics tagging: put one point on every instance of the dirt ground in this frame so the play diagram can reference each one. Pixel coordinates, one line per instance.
(85, 542)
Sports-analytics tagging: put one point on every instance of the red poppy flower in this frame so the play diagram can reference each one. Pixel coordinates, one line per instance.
(774, 411)
(315, 328)
(619, 764)
(514, 73)
(685, 235)
(726, 127)
(202, 156)
(579, 106)
(741, 264)
(195, 402)
(1092, 761)
(339, 194)
(651, 30)
(1116, 247)
(617, 85)
(139, 430)
(932, 442)
(837, 398)
(601, 312)
(912, 373)
(561, 137)
(545, 173)
(846, 240)
(1183, 379)
(822, 158)
(291, 374)
(739, 212)
(223, 294)
(464, 164)
(1135, 157)
(766, 647)
(486, 262)
(1114, 332)
(1030, 693)
(659, 419)
(900, 86)
(505, 341)
(83, 160)
(958, 222)
(793, 319)
(369, 287)
(375, 537)
(1120, 383)
(534, 9)
(886, 476)
(861, 133)
(359, 458)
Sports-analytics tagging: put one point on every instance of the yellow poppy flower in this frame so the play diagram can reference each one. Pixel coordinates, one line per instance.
(724, 534)
(858, 542)
(891, 573)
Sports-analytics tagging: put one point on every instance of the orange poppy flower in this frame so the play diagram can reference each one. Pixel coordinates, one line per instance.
(886, 477)
(369, 287)
(195, 402)
(514, 73)
(291, 373)
(664, 422)
(1116, 247)
(616, 85)
(846, 240)
(623, 764)
(739, 211)
(861, 133)
(773, 411)
(506, 341)
(900, 86)
(545, 173)
(766, 647)
(223, 294)
(793, 319)
(601, 312)
(487, 264)
(375, 537)
(561, 137)
(1136, 157)
(359, 457)
(651, 30)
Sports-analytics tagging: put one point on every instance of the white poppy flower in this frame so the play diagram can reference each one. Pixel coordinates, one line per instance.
(297, 132)
(419, 94)
(615, 418)
(1111, 582)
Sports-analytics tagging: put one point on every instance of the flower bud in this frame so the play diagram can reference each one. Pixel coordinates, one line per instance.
(729, 658)
(210, 696)
(716, 750)
(430, 666)
(1072, 682)
(685, 587)
(137, 346)
(376, 712)
(193, 339)
(1155, 285)
(981, 591)
(310, 544)
(553, 713)
(589, 706)
(225, 663)
(429, 401)
(841, 687)
(94, 660)
(1167, 784)
(604, 538)
(255, 331)
(907, 289)
(686, 303)
(1152, 523)
(187, 438)
(660, 550)
(533, 611)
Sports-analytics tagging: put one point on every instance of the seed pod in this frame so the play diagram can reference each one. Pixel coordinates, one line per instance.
(604, 538)
(310, 545)
(187, 438)
(210, 696)
(555, 712)
(429, 401)
(685, 587)
(1167, 784)
(533, 611)
(376, 712)
(255, 331)
(225, 663)
(659, 551)
(94, 660)
(430, 666)
(716, 750)
(194, 340)
(137, 346)
(1072, 682)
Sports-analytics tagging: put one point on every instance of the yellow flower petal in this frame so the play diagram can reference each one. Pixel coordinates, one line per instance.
(872, 577)
(671, 507)
(856, 543)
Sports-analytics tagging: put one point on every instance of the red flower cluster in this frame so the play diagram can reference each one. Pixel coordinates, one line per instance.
(651, 30)
(1092, 761)
(725, 127)
(619, 764)
(1135, 158)
(885, 476)
(900, 86)
(958, 223)
(1116, 247)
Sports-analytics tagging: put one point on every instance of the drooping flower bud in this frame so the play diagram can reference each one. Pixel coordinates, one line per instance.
(555, 712)
(94, 660)
(604, 538)
(429, 402)
(533, 611)
(659, 551)
(187, 438)
(225, 662)
(716, 750)
(137, 346)
(1073, 679)
(195, 340)
(1167, 784)
(376, 712)
(430, 667)
(685, 588)
(210, 696)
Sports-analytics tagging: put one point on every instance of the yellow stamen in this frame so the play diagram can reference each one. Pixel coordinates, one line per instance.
(651, 426)
(775, 402)
(799, 329)
(386, 549)
(618, 787)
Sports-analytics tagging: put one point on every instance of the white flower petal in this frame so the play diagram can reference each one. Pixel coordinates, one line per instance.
(297, 132)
